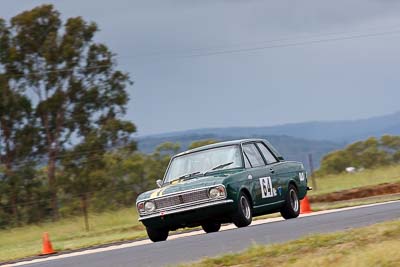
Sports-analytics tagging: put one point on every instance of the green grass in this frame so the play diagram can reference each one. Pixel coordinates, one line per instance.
(375, 245)
(333, 183)
(123, 224)
(70, 233)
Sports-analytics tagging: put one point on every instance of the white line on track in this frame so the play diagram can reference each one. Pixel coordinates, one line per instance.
(199, 232)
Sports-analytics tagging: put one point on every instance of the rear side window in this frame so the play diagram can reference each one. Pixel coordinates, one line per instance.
(253, 155)
(266, 153)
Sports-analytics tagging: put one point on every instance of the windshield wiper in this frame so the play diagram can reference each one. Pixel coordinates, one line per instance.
(185, 176)
(219, 167)
(188, 175)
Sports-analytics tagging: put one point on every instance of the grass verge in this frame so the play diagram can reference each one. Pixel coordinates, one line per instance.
(374, 245)
(344, 181)
(70, 233)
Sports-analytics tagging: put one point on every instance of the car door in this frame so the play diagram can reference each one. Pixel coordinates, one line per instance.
(273, 170)
(261, 183)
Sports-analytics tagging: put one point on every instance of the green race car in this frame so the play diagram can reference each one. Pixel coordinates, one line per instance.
(221, 183)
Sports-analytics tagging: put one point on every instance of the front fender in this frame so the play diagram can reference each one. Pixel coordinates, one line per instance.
(234, 189)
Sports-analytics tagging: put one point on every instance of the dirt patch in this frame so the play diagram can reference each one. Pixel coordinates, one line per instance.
(360, 192)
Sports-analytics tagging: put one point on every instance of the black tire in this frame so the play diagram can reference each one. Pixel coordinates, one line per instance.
(291, 208)
(211, 227)
(157, 235)
(242, 217)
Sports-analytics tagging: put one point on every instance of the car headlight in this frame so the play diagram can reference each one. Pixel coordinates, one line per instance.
(214, 193)
(149, 206)
(217, 192)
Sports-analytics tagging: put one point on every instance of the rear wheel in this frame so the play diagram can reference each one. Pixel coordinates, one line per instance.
(242, 216)
(157, 235)
(211, 227)
(291, 209)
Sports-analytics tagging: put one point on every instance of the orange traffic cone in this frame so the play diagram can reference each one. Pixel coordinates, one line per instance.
(305, 206)
(47, 247)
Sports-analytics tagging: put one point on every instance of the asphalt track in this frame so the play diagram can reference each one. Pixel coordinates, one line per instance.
(194, 247)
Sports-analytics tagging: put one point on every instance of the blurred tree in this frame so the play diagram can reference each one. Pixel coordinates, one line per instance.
(372, 156)
(334, 162)
(167, 148)
(161, 157)
(17, 134)
(73, 78)
(202, 143)
(391, 141)
(133, 173)
(84, 174)
(392, 145)
(129, 177)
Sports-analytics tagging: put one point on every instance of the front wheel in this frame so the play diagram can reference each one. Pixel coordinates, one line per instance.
(157, 235)
(242, 216)
(291, 209)
(211, 227)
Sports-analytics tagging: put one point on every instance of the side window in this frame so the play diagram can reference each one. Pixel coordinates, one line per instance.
(246, 162)
(266, 153)
(253, 155)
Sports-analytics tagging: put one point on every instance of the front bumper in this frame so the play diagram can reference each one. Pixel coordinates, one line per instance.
(181, 209)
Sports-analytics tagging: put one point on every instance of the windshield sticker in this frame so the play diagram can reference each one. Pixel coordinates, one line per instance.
(266, 187)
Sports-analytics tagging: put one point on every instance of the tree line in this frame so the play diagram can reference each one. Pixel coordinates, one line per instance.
(367, 154)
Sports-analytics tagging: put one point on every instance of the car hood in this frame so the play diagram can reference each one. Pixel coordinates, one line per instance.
(198, 182)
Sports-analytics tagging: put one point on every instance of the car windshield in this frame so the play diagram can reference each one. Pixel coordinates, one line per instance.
(227, 157)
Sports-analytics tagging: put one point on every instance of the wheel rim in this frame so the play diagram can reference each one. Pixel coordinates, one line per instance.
(294, 201)
(245, 207)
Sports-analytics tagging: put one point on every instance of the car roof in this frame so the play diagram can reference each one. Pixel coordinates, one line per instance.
(220, 144)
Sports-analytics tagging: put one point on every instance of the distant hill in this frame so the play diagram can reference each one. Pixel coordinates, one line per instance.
(335, 131)
(295, 141)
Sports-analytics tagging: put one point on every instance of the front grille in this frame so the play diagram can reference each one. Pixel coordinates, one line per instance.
(195, 196)
(184, 198)
(167, 202)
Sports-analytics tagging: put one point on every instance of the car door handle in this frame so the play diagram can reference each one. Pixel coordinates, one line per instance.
(271, 170)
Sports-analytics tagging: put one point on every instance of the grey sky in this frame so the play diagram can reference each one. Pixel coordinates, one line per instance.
(322, 81)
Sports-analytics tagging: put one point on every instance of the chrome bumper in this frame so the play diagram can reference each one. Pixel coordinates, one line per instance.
(162, 213)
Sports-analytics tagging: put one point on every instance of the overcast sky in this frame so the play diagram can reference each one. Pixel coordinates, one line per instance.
(172, 49)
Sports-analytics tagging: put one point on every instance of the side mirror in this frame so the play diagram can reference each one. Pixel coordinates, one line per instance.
(159, 183)
(281, 158)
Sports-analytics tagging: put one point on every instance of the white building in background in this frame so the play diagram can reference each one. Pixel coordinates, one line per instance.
(351, 169)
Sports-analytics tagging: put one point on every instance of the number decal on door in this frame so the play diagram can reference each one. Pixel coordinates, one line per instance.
(266, 187)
